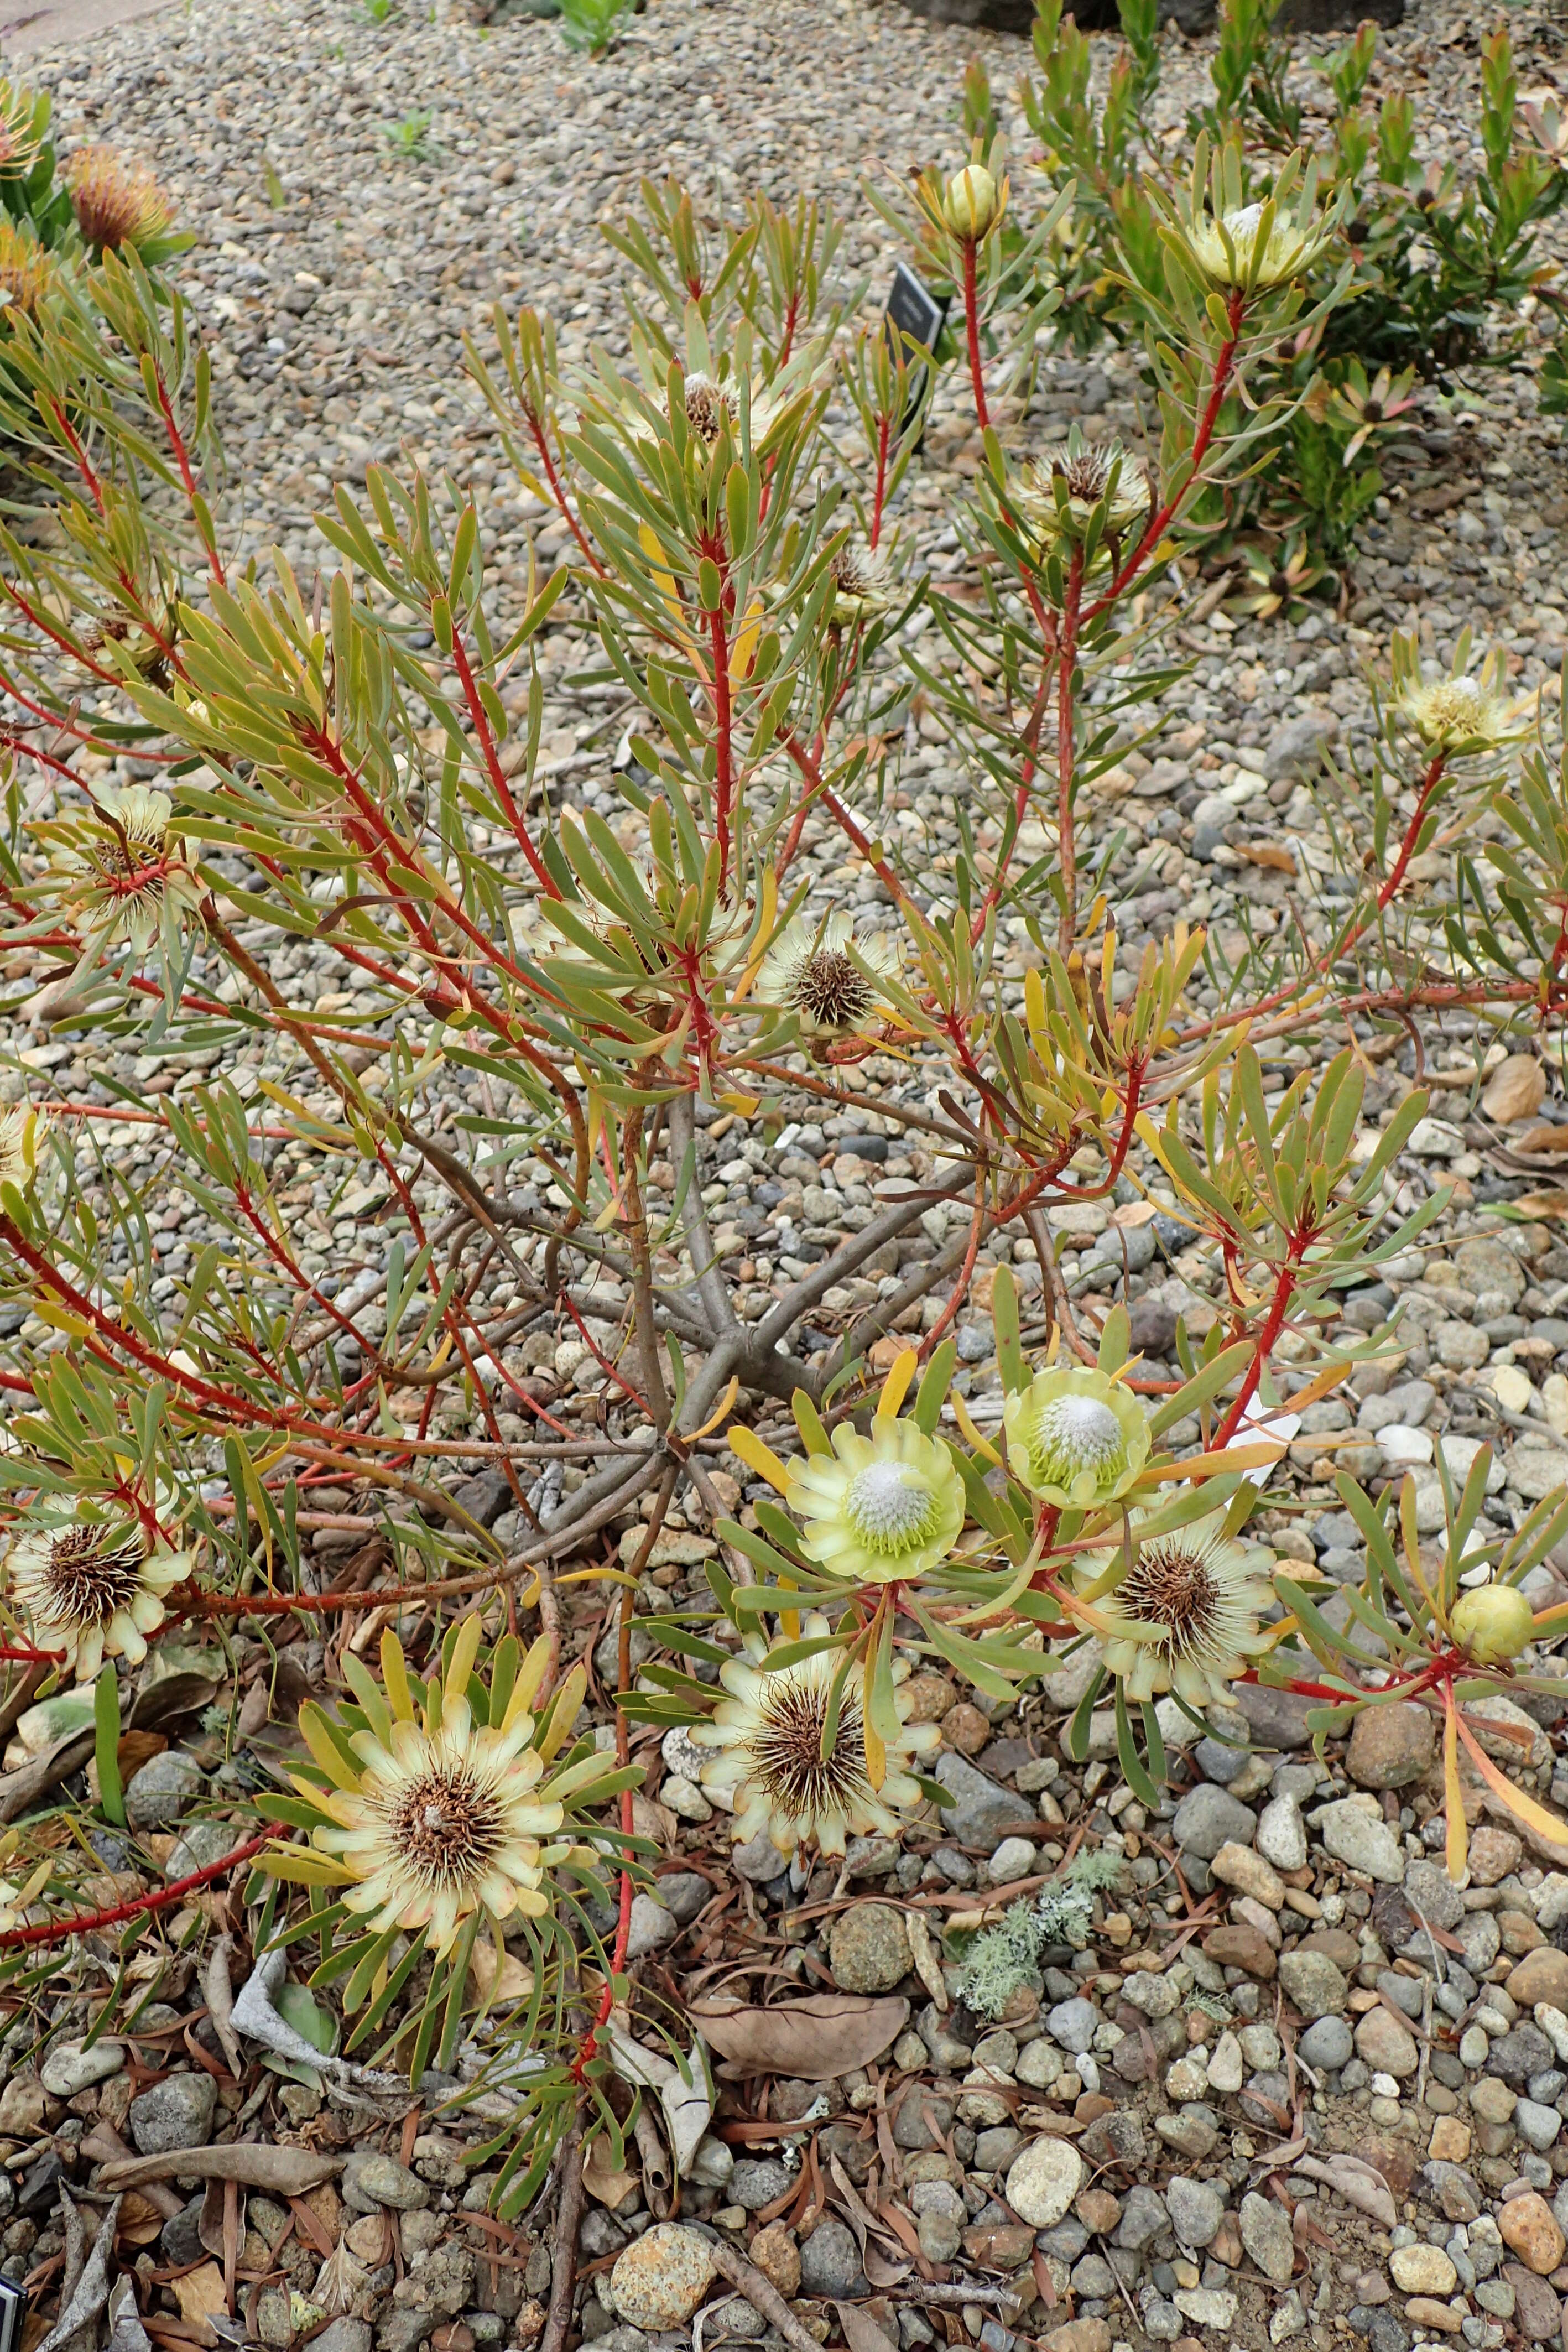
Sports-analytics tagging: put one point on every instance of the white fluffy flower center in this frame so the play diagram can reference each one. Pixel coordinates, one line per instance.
(1074, 1433)
(1242, 227)
(889, 1507)
(1455, 707)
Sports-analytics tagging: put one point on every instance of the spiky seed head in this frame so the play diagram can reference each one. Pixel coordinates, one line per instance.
(811, 971)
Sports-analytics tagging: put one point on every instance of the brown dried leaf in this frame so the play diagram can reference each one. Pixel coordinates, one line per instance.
(283, 2171)
(862, 2333)
(1516, 1089)
(200, 2295)
(1359, 2184)
(604, 2182)
(814, 2040)
(140, 2220)
(1550, 1203)
(1543, 1142)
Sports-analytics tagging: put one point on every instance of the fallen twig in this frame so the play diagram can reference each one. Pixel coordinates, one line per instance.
(761, 2296)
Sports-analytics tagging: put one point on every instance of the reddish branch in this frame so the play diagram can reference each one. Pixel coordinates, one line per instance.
(1066, 854)
(883, 435)
(491, 757)
(1220, 384)
(972, 331)
(85, 1923)
(540, 439)
(182, 458)
(1267, 1339)
(725, 791)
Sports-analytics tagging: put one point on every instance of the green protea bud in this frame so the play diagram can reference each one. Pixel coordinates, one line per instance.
(1493, 1623)
(972, 204)
(1076, 1439)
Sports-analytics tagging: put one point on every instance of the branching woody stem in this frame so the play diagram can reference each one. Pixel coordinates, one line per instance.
(87, 1923)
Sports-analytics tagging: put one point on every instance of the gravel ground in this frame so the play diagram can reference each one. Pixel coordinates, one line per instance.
(1143, 2147)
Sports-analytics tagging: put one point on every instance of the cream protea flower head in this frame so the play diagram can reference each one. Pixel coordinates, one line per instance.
(878, 1509)
(1202, 1593)
(122, 864)
(1076, 1439)
(92, 1588)
(769, 1734)
(826, 975)
(443, 1817)
(1459, 714)
(27, 274)
(1463, 714)
(1243, 246)
(859, 584)
(1063, 490)
(116, 202)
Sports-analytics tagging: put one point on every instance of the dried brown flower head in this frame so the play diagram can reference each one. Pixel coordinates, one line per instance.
(116, 202)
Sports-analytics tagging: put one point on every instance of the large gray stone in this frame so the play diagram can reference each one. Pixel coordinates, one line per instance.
(1267, 2236)
(1297, 747)
(1327, 2044)
(372, 2180)
(163, 1792)
(1209, 1818)
(68, 2068)
(1362, 1839)
(1196, 2207)
(831, 2261)
(176, 2112)
(982, 1812)
(1144, 2216)
(1313, 1983)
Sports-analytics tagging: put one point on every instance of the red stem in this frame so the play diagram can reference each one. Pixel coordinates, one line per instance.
(972, 330)
(491, 757)
(1025, 778)
(1429, 783)
(1224, 364)
(1067, 861)
(84, 1922)
(182, 458)
(1274, 1323)
(541, 443)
